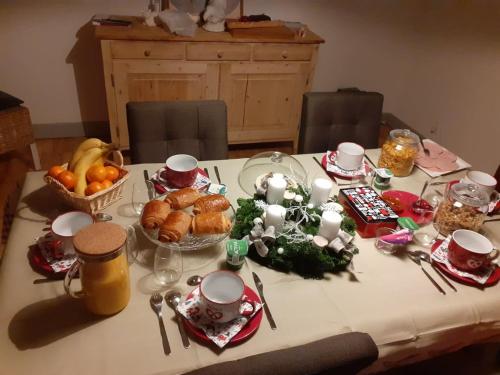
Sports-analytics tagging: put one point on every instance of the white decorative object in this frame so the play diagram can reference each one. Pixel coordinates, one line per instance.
(309, 237)
(215, 15)
(310, 205)
(330, 224)
(280, 250)
(257, 221)
(275, 190)
(275, 216)
(298, 198)
(321, 188)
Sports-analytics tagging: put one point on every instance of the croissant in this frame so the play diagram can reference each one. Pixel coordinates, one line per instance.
(175, 227)
(154, 214)
(211, 223)
(211, 203)
(182, 198)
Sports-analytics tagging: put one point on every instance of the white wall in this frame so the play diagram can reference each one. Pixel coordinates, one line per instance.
(436, 62)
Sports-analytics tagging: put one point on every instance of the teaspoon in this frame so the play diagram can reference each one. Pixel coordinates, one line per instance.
(194, 280)
(173, 299)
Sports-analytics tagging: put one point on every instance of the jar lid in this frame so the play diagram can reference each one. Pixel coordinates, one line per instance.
(469, 194)
(99, 239)
(404, 137)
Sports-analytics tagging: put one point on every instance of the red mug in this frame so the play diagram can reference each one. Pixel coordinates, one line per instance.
(470, 250)
(181, 170)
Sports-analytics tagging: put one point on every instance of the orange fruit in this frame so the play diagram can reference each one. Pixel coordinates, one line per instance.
(106, 184)
(55, 170)
(67, 178)
(96, 173)
(112, 173)
(93, 188)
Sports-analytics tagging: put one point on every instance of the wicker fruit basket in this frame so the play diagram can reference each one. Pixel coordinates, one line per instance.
(97, 201)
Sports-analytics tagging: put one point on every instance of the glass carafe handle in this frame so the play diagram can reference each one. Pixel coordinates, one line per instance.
(69, 277)
(131, 245)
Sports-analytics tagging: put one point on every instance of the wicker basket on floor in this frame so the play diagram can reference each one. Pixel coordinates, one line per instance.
(97, 201)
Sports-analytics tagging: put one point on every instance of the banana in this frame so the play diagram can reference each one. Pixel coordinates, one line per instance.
(84, 147)
(83, 164)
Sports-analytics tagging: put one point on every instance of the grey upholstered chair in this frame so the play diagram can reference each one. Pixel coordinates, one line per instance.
(330, 118)
(158, 130)
(347, 353)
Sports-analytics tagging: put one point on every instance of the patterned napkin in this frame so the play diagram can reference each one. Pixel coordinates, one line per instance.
(441, 255)
(201, 182)
(331, 166)
(220, 333)
(51, 250)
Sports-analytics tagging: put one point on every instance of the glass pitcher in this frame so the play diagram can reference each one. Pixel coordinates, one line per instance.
(103, 267)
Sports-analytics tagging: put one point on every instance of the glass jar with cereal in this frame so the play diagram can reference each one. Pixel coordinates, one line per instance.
(465, 207)
(399, 152)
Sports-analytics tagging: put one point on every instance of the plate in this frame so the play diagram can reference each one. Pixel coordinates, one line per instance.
(492, 280)
(407, 199)
(461, 164)
(245, 333)
(189, 242)
(342, 173)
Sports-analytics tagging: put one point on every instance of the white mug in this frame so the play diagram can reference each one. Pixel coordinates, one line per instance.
(65, 226)
(222, 296)
(485, 182)
(349, 156)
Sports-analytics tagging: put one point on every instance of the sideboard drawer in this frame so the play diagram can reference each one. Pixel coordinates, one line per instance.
(147, 50)
(282, 52)
(217, 51)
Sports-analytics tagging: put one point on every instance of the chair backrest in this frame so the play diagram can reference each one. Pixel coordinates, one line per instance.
(158, 130)
(330, 118)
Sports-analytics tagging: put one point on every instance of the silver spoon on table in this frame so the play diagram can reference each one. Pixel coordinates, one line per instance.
(173, 299)
(415, 258)
(156, 302)
(427, 258)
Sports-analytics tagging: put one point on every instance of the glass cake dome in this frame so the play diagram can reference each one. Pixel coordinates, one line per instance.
(259, 168)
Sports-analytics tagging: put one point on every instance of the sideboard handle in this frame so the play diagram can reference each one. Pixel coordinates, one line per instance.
(284, 54)
(220, 54)
(147, 53)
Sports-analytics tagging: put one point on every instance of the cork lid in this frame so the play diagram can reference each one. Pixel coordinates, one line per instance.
(99, 239)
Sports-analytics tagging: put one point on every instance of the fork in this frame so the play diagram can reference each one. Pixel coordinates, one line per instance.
(156, 302)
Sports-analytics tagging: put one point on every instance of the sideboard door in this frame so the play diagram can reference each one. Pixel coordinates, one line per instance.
(264, 100)
(136, 81)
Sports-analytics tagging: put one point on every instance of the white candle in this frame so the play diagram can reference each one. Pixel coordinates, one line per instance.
(330, 224)
(275, 216)
(321, 188)
(275, 190)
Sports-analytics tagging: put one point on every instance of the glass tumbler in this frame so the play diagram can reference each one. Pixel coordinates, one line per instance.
(139, 197)
(168, 264)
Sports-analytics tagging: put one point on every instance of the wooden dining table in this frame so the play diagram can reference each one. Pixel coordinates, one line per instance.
(43, 331)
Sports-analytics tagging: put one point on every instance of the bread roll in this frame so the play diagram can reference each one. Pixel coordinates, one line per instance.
(154, 214)
(211, 203)
(182, 198)
(211, 223)
(175, 227)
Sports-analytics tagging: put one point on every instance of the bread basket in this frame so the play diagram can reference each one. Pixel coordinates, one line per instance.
(97, 201)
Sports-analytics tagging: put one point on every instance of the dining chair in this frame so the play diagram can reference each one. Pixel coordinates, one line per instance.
(158, 130)
(330, 118)
(347, 353)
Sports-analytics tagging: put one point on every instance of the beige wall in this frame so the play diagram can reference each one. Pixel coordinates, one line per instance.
(436, 62)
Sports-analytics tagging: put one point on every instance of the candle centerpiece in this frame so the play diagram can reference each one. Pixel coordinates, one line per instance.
(320, 193)
(275, 216)
(330, 224)
(276, 189)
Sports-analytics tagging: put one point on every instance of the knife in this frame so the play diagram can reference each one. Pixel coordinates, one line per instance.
(260, 289)
(149, 185)
(321, 166)
(217, 174)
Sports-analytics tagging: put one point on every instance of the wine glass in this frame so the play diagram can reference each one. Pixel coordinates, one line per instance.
(139, 197)
(168, 264)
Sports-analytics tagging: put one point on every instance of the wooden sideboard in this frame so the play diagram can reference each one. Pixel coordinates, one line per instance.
(260, 79)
